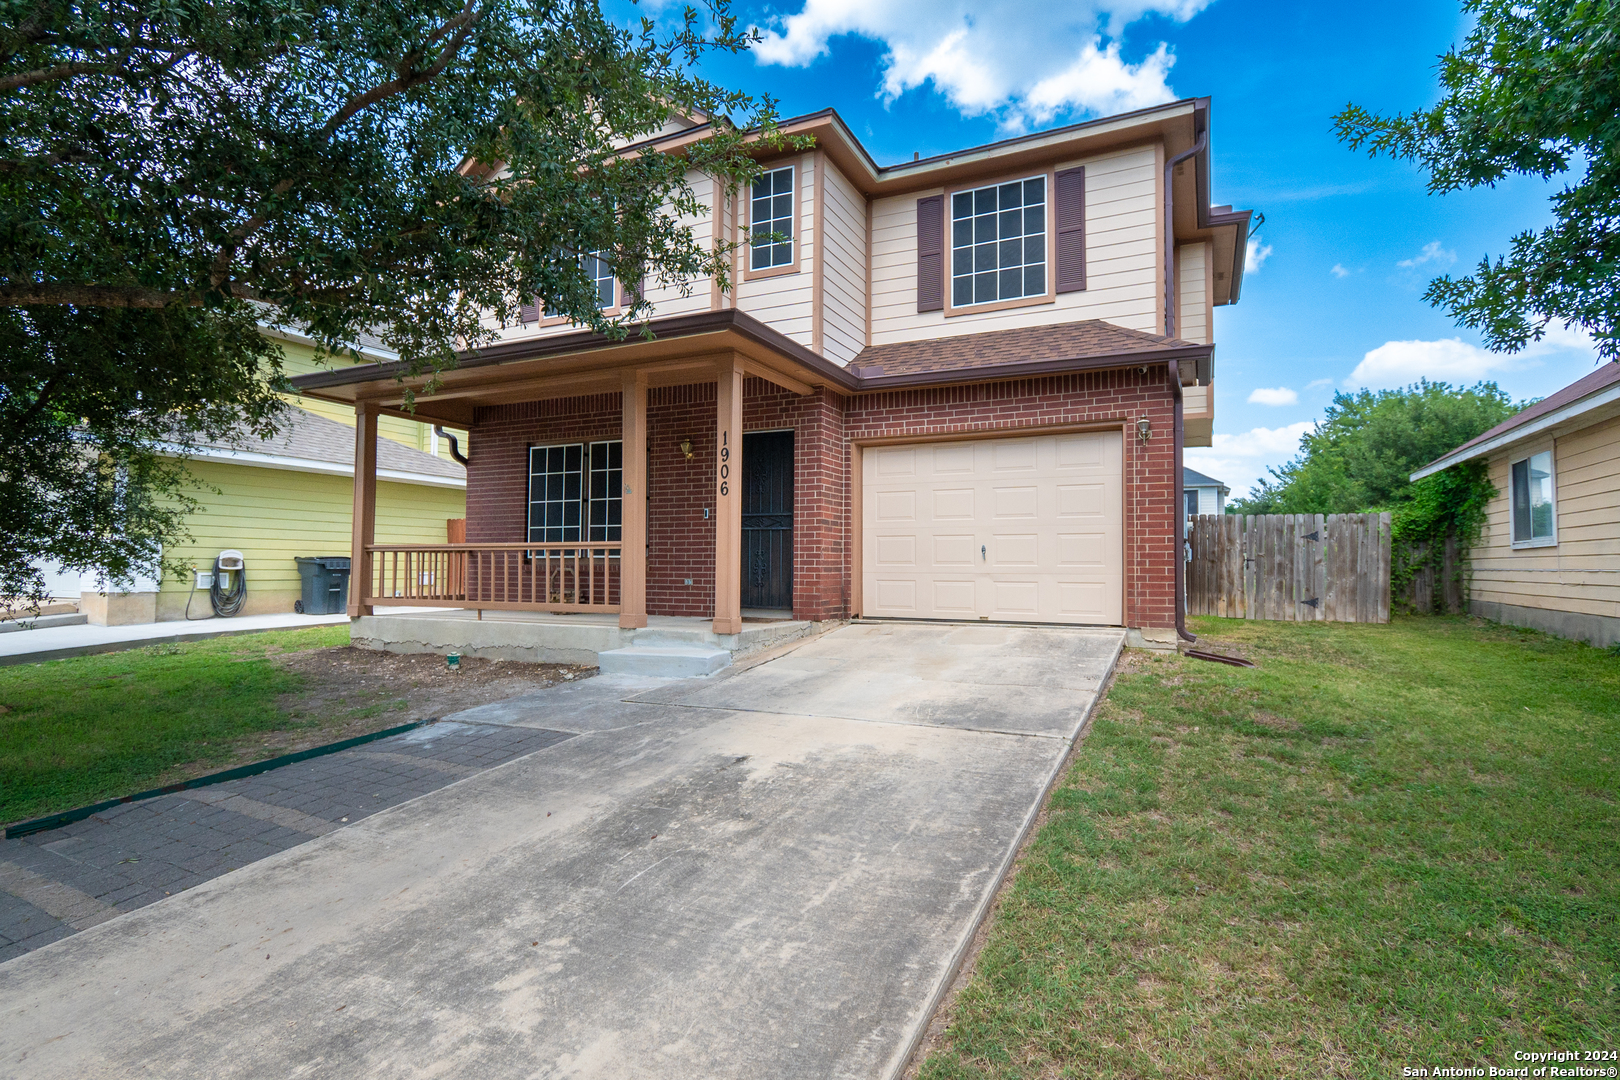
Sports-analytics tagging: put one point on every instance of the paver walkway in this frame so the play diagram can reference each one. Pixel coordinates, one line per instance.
(57, 882)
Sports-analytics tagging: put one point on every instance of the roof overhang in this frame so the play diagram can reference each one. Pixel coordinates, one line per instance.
(683, 349)
(1583, 412)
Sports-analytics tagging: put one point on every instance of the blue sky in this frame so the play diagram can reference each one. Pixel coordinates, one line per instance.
(1348, 244)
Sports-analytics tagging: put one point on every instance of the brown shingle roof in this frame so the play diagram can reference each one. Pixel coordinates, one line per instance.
(1604, 376)
(1061, 343)
(315, 438)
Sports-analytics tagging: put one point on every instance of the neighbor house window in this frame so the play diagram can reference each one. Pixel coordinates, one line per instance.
(998, 242)
(771, 211)
(574, 492)
(1533, 523)
(1192, 502)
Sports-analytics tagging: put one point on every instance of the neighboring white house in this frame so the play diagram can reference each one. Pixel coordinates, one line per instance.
(1204, 494)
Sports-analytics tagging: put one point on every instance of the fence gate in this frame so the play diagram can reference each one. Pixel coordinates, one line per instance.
(1292, 567)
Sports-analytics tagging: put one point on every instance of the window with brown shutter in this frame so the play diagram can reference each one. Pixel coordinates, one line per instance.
(931, 253)
(1069, 217)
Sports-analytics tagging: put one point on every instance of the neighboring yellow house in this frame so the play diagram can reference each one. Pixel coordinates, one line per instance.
(1550, 555)
(293, 495)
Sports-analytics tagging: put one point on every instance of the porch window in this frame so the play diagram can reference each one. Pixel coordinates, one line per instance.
(574, 492)
(1534, 524)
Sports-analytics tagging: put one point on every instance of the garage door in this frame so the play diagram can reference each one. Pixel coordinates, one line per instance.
(1026, 529)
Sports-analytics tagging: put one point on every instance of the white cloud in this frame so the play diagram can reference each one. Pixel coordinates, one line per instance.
(1399, 363)
(1256, 255)
(1340, 272)
(1280, 395)
(1432, 252)
(1240, 460)
(1025, 61)
(1314, 383)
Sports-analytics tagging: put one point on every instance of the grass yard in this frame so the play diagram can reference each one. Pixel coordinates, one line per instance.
(95, 727)
(1386, 846)
(80, 730)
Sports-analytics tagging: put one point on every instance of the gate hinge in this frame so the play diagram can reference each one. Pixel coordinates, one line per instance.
(1315, 601)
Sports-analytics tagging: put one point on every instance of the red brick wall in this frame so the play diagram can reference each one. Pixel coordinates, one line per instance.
(681, 539)
(1118, 396)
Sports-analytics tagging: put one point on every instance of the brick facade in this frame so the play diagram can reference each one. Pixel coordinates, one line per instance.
(681, 539)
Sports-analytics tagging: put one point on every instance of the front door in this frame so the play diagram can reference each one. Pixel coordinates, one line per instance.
(767, 520)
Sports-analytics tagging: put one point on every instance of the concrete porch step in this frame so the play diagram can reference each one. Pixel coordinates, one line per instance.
(665, 660)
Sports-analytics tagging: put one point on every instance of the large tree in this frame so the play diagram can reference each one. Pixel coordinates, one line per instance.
(1534, 90)
(176, 173)
(1367, 445)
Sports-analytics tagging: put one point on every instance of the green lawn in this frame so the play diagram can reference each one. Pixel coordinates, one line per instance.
(1385, 846)
(95, 727)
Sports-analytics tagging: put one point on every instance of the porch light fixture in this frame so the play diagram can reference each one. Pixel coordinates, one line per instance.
(1144, 429)
(686, 446)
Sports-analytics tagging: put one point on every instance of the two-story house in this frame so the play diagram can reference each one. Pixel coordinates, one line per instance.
(956, 388)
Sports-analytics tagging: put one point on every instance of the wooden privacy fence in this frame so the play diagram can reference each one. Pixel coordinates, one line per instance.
(1292, 567)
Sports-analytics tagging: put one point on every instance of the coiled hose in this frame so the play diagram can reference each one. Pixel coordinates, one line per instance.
(225, 602)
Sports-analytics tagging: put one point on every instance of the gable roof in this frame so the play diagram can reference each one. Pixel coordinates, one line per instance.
(309, 443)
(1194, 478)
(1599, 388)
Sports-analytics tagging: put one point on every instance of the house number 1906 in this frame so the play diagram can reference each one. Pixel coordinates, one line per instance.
(725, 463)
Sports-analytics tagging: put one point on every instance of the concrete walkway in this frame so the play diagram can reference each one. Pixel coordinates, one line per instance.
(768, 873)
(56, 642)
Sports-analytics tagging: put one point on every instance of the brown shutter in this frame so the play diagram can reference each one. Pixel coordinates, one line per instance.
(931, 253)
(1069, 218)
(529, 312)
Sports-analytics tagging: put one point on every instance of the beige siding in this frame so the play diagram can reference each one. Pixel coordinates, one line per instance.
(677, 298)
(1194, 323)
(843, 275)
(1122, 259)
(272, 515)
(785, 302)
(300, 360)
(1581, 573)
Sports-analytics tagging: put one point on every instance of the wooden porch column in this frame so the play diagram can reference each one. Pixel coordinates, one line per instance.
(728, 498)
(633, 505)
(365, 506)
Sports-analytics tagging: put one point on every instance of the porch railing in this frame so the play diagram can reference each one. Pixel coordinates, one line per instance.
(582, 576)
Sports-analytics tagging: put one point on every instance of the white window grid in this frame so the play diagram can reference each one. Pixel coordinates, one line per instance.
(771, 211)
(998, 242)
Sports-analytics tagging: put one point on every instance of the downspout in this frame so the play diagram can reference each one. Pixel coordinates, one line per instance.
(1179, 516)
(455, 446)
(1176, 496)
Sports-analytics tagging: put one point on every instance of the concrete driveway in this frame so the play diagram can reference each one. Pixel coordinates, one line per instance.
(769, 873)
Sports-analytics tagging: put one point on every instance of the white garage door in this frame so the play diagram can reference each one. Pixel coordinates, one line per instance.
(1027, 529)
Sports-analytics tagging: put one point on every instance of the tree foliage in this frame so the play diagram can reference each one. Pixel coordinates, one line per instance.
(1534, 90)
(173, 172)
(1360, 456)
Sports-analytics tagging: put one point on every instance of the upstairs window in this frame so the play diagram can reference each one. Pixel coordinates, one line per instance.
(998, 242)
(1533, 511)
(575, 492)
(771, 211)
(596, 268)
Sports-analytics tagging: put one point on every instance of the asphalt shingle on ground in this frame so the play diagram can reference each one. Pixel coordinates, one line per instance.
(55, 883)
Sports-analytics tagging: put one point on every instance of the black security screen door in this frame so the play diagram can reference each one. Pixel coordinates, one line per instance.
(767, 520)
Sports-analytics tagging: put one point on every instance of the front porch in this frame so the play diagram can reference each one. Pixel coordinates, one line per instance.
(667, 645)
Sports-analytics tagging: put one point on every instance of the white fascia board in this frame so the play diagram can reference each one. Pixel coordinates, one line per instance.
(1607, 395)
(309, 465)
(375, 355)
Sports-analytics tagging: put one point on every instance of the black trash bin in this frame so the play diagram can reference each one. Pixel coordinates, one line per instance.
(326, 584)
